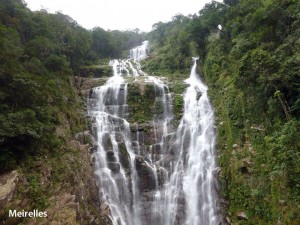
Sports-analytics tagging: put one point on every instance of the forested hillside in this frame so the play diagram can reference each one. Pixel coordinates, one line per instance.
(39, 54)
(250, 57)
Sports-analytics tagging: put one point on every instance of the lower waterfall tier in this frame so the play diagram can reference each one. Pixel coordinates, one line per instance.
(155, 168)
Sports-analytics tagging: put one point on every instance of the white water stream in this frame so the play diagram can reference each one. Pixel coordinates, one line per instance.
(179, 166)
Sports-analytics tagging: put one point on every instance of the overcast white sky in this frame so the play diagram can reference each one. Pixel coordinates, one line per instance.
(119, 14)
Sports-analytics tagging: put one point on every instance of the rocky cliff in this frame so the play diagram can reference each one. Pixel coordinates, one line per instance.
(60, 183)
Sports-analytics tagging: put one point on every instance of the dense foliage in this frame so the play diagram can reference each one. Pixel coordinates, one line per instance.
(250, 56)
(39, 54)
(171, 47)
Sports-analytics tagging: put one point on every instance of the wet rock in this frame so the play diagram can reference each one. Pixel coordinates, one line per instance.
(174, 150)
(94, 149)
(141, 137)
(94, 130)
(146, 174)
(139, 162)
(161, 176)
(119, 137)
(149, 137)
(110, 153)
(166, 161)
(199, 94)
(186, 139)
(91, 93)
(135, 146)
(118, 123)
(156, 149)
(114, 166)
(121, 98)
(217, 171)
(93, 160)
(93, 103)
(112, 99)
(110, 156)
(144, 126)
(106, 140)
(170, 139)
(133, 127)
(123, 156)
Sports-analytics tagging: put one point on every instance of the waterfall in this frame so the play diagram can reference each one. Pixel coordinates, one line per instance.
(165, 176)
(140, 52)
(196, 130)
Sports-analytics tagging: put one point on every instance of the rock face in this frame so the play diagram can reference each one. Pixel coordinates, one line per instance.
(75, 200)
(142, 150)
(154, 167)
(84, 85)
(242, 216)
(96, 71)
(61, 181)
(8, 184)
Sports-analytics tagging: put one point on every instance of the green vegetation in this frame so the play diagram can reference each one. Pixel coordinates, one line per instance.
(36, 193)
(96, 71)
(40, 110)
(39, 54)
(252, 68)
(140, 101)
(177, 87)
(171, 50)
(178, 107)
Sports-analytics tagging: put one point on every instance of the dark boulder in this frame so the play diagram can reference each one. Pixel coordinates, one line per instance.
(114, 166)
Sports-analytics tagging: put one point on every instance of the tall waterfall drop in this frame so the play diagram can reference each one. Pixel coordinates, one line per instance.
(155, 172)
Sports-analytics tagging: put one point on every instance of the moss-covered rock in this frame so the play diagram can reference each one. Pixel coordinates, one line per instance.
(96, 71)
(124, 156)
(140, 100)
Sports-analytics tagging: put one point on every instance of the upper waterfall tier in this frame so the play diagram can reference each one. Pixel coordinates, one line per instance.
(140, 52)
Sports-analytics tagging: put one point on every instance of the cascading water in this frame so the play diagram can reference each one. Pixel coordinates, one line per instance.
(196, 131)
(140, 52)
(164, 176)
